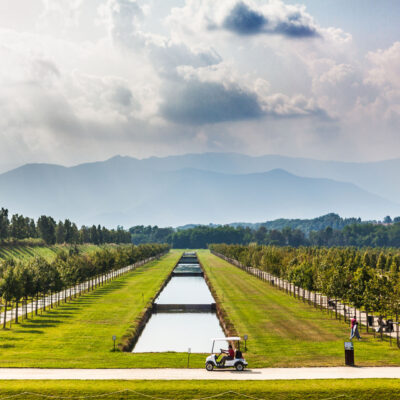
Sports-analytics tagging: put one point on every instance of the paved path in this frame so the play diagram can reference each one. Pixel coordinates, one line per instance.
(201, 374)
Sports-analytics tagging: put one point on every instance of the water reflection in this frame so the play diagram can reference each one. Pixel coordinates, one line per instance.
(178, 332)
(186, 290)
(170, 331)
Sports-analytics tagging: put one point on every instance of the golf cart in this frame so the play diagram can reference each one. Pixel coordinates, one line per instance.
(238, 362)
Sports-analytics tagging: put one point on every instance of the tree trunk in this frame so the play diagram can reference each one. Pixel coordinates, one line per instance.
(345, 313)
(5, 315)
(335, 307)
(16, 311)
(37, 303)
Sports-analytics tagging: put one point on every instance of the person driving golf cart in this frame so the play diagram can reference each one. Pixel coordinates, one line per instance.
(230, 354)
(232, 358)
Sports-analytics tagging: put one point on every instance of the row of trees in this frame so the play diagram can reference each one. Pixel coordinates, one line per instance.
(24, 281)
(330, 220)
(150, 234)
(200, 236)
(366, 279)
(18, 227)
(355, 234)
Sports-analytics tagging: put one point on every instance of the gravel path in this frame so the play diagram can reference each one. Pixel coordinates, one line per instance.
(201, 374)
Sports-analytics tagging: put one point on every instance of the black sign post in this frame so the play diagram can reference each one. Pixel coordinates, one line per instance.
(349, 353)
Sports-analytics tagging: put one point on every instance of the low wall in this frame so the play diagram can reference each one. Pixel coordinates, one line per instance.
(184, 308)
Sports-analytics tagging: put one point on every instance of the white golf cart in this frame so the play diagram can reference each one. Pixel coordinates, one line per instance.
(238, 362)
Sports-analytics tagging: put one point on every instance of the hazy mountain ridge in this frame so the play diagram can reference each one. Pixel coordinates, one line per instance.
(380, 177)
(182, 189)
(331, 220)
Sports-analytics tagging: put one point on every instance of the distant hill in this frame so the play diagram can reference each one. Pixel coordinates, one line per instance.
(169, 191)
(381, 178)
(331, 220)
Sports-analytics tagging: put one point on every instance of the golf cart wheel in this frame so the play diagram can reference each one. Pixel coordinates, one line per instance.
(239, 366)
(209, 366)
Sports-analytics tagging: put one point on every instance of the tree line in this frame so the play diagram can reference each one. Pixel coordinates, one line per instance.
(331, 220)
(356, 234)
(32, 280)
(19, 229)
(367, 279)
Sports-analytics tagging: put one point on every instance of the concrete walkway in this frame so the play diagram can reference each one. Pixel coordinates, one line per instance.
(201, 374)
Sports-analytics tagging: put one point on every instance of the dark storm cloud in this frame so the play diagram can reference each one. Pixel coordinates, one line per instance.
(243, 20)
(294, 27)
(208, 102)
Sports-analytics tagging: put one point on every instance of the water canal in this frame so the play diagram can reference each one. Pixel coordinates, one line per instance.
(183, 314)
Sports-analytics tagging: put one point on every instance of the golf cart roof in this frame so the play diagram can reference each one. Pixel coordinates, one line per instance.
(226, 338)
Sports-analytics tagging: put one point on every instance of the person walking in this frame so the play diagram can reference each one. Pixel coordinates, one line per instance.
(354, 329)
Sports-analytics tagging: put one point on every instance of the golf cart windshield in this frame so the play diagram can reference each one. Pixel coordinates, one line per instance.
(225, 340)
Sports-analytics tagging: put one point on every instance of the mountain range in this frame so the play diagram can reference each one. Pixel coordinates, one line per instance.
(202, 188)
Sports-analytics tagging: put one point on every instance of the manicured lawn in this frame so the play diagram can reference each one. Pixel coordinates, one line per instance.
(374, 389)
(79, 334)
(283, 331)
(47, 252)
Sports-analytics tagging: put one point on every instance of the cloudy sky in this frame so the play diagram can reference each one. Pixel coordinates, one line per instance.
(84, 80)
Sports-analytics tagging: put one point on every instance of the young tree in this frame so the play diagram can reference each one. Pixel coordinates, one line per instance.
(60, 233)
(4, 224)
(10, 288)
(47, 229)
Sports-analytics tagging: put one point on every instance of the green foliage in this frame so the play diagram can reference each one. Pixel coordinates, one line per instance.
(78, 334)
(284, 331)
(363, 278)
(329, 230)
(22, 231)
(39, 277)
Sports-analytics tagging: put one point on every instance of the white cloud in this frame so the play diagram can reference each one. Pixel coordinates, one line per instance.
(385, 69)
(61, 15)
(215, 71)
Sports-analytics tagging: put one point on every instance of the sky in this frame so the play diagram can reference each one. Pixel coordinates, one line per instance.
(84, 80)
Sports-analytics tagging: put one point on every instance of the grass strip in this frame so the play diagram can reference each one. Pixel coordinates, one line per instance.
(79, 334)
(283, 331)
(364, 389)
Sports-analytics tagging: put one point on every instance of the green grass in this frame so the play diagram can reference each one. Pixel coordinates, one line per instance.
(367, 389)
(79, 334)
(47, 252)
(283, 331)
